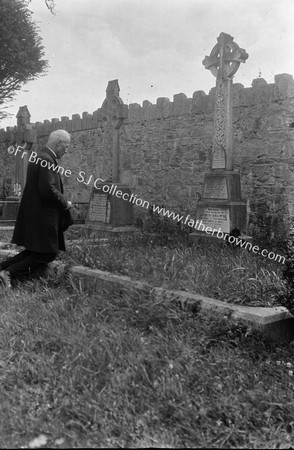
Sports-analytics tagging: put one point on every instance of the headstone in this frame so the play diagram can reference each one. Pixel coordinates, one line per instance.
(221, 206)
(108, 208)
(109, 212)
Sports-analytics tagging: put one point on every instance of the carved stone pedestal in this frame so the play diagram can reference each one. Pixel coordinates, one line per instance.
(221, 207)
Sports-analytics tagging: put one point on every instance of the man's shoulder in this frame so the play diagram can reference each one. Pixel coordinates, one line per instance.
(44, 153)
(36, 160)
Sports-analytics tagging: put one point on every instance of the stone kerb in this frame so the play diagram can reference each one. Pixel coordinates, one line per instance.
(274, 322)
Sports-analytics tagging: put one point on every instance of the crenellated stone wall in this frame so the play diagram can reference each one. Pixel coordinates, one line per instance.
(166, 147)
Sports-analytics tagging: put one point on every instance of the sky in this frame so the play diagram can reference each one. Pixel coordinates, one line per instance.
(154, 48)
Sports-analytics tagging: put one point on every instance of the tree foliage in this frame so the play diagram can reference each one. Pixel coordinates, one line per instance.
(21, 51)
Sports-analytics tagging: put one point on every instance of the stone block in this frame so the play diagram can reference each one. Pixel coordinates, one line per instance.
(47, 127)
(86, 120)
(135, 113)
(153, 112)
(260, 90)
(76, 122)
(95, 119)
(198, 102)
(237, 88)
(69, 126)
(55, 124)
(163, 107)
(284, 86)
(64, 123)
(210, 103)
(258, 82)
(271, 92)
(100, 116)
(148, 112)
(246, 97)
(39, 128)
(181, 105)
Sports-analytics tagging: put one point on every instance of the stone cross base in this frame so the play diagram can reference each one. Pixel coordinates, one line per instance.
(221, 208)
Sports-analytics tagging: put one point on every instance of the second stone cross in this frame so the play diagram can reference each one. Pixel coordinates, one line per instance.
(224, 61)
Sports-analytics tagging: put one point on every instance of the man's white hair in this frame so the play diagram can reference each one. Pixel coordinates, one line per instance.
(57, 135)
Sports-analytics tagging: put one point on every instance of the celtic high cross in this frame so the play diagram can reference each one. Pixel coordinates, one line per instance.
(113, 113)
(224, 61)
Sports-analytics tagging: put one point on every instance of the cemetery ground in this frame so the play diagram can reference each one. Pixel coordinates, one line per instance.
(122, 369)
(162, 255)
(117, 370)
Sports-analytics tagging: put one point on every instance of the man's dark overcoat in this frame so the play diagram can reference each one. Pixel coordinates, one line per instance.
(41, 213)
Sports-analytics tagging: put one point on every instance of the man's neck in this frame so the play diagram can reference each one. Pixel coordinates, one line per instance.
(52, 151)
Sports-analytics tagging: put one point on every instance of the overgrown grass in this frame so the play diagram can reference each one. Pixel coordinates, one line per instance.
(224, 272)
(119, 370)
(228, 273)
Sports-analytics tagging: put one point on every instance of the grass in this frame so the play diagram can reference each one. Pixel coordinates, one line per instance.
(118, 370)
(168, 260)
(224, 272)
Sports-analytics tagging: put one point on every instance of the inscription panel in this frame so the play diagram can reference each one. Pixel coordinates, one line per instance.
(218, 158)
(216, 187)
(216, 218)
(99, 208)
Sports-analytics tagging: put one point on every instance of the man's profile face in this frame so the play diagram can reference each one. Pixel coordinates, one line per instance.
(62, 147)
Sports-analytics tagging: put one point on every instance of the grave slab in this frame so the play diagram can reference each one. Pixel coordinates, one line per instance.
(277, 322)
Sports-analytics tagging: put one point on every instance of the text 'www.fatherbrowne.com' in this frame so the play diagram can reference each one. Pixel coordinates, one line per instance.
(200, 226)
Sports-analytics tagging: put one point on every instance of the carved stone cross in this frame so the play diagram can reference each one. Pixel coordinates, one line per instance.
(24, 136)
(113, 113)
(224, 61)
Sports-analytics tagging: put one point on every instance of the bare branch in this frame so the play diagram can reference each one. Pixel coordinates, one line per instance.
(50, 5)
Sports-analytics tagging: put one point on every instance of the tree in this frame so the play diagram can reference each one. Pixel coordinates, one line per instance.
(21, 52)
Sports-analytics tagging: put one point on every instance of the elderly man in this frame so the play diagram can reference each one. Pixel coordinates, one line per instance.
(43, 213)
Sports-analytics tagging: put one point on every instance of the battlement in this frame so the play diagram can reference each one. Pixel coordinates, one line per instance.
(260, 92)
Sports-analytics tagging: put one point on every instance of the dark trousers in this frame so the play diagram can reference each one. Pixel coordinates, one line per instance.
(26, 263)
